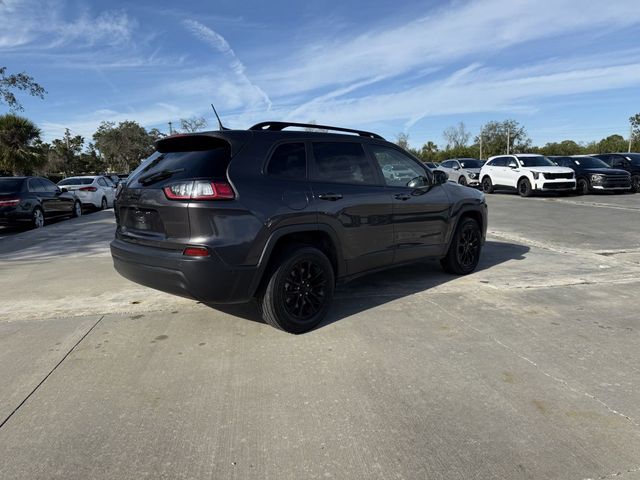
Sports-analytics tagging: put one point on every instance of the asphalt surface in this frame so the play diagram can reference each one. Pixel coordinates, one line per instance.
(527, 368)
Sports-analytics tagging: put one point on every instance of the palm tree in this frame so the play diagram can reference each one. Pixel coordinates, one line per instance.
(429, 151)
(17, 137)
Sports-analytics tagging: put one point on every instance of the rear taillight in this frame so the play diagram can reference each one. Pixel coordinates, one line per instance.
(195, 252)
(11, 202)
(199, 190)
(88, 189)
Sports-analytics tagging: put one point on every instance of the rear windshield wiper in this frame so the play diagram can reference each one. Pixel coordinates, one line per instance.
(161, 175)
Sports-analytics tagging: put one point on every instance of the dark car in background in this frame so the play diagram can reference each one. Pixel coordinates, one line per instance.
(594, 175)
(29, 201)
(281, 216)
(624, 161)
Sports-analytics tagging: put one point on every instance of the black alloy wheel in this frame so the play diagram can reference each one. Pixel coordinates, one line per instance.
(524, 188)
(305, 290)
(464, 253)
(487, 185)
(299, 290)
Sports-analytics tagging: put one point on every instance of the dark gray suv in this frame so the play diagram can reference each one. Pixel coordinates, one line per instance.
(282, 215)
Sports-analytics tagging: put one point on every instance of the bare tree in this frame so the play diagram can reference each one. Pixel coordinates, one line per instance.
(193, 124)
(457, 136)
(402, 140)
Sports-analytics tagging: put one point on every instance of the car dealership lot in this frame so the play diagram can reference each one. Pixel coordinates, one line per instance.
(527, 368)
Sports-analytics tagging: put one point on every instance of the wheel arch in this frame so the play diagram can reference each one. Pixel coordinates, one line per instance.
(321, 237)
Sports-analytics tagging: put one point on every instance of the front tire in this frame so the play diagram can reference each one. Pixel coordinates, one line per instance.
(487, 184)
(37, 218)
(464, 252)
(635, 183)
(299, 291)
(524, 187)
(582, 187)
(462, 181)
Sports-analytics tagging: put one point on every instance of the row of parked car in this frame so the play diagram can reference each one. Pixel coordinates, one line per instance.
(529, 173)
(31, 201)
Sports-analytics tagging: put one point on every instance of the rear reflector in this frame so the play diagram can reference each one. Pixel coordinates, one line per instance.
(196, 252)
(88, 189)
(199, 190)
(12, 202)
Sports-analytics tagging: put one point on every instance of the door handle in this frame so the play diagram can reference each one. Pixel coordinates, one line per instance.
(332, 197)
(402, 196)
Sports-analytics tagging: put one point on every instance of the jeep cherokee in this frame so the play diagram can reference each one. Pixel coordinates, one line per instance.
(283, 215)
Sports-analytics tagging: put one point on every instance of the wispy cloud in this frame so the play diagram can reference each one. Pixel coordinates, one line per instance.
(44, 23)
(218, 42)
(454, 32)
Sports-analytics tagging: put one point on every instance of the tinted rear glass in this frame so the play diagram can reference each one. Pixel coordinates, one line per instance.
(342, 162)
(76, 181)
(185, 165)
(10, 185)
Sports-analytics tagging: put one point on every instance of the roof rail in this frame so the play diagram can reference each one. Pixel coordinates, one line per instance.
(279, 126)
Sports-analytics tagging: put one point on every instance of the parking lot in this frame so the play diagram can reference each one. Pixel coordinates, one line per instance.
(528, 368)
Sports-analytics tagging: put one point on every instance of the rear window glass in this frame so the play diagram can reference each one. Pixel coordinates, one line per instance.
(184, 165)
(342, 162)
(10, 185)
(289, 161)
(76, 181)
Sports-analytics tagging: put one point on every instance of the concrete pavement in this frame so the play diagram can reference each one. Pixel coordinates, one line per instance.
(526, 369)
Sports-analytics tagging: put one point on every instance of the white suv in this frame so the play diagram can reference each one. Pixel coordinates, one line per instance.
(465, 171)
(526, 173)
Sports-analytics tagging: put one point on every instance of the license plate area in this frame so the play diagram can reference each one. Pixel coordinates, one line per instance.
(142, 219)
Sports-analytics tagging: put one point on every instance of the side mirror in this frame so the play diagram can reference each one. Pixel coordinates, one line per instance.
(456, 167)
(63, 190)
(513, 164)
(439, 177)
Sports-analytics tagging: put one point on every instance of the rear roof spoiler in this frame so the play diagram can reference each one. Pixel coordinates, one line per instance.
(279, 126)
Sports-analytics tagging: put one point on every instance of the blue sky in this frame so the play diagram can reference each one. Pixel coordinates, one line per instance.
(563, 68)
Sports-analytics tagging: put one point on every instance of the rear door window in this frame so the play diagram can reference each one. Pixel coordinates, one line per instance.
(342, 162)
(289, 160)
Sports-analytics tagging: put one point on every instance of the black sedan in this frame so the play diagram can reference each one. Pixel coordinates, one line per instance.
(29, 201)
(592, 174)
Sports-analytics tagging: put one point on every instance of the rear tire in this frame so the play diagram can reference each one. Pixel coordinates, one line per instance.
(77, 210)
(464, 252)
(487, 184)
(37, 218)
(299, 290)
(104, 204)
(524, 187)
(582, 187)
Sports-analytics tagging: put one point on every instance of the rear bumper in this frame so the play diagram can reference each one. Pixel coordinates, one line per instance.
(206, 279)
(11, 215)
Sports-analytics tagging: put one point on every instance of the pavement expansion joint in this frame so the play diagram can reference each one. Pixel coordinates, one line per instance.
(50, 372)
